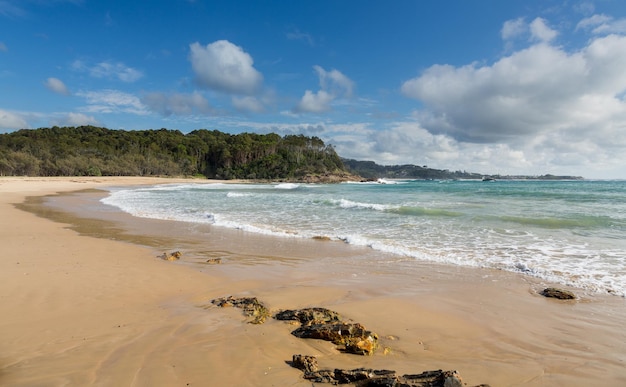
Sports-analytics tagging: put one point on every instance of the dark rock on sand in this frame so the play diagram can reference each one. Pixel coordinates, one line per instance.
(370, 377)
(305, 363)
(352, 336)
(250, 305)
(308, 316)
(325, 324)
(558, 293)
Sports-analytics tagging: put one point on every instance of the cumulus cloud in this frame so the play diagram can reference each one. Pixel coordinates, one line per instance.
(315, 102)
(334, 81)
(112, 101)
(513, 28)
(540, 100)
(12, 120)
(333, 84)
(540, 31)
(225, 67)
(109, 70)
(57, 86)
(177, 104)
(536, 31)
(527, 92)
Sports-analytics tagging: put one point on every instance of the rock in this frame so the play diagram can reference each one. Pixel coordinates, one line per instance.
(250, 305)
(175, 256)
(308, 316)
(352, 336)
(214, 261)
(325, 324)
(305, 363)
(383, 378)
(558, 293)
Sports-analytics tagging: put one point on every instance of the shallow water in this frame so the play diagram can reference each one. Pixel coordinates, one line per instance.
(570, 232)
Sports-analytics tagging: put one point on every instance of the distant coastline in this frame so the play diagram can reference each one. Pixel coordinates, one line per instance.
(371, 170)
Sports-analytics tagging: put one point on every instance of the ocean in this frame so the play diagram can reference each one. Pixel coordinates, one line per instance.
(568, 232)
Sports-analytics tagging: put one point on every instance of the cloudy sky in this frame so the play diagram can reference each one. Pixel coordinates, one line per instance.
(509, 87)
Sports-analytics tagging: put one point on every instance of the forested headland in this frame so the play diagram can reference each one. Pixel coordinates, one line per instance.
(95, 151)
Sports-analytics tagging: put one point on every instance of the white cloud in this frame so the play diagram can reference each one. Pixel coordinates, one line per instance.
(315, 102)
(112, 101)
(115, 70)
(333, 85)
(177, 104)
(57, 86)
(109, 70)
(74, 119)
(540, 31)
(602, 25)
(538, 101)
(511, 29)
(248, 104)
(225, 67)
(3, 47)
(518, 28)
(12, 120)
(335, 82)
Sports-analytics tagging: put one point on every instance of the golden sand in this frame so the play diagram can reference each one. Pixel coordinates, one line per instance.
(82, 310)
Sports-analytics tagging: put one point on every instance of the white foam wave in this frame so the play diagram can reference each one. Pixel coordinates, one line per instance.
(238, 194)
(287, 186)
(257, 229)
(344, 203)
(387, 181)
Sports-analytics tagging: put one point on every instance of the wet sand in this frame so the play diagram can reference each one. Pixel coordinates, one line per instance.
(85, 301)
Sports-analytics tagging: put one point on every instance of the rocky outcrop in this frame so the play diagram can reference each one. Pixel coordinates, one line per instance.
(324, 324)
(175, 256)
(250, 305)
(558, 293)
(308, 316)
(369, 377)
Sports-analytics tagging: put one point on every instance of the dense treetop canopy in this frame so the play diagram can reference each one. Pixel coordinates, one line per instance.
(95, 151)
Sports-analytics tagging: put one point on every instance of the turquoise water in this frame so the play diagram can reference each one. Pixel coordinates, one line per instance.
(571, 232)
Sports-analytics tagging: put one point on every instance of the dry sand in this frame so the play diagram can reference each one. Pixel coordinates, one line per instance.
(78, 310)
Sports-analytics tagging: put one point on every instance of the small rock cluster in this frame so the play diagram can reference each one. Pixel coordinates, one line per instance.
(325, 324)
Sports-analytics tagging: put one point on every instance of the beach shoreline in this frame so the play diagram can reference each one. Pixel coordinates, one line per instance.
(98, 311)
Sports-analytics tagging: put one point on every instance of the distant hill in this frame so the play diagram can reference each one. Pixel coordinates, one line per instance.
(371, 170)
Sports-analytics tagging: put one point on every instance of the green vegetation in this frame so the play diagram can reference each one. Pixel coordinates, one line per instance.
(371, 170)
(94, 151)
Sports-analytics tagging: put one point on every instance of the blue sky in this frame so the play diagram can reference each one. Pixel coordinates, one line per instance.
(509, 87)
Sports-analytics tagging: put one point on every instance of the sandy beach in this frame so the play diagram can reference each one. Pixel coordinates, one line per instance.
(88, 303)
